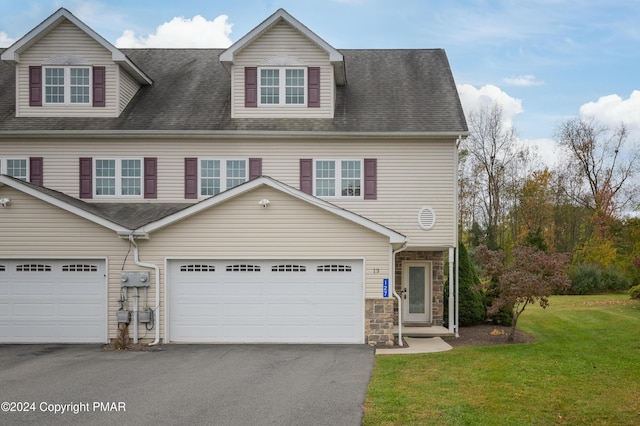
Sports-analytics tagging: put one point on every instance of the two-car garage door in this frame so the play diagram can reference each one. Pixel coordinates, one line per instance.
(266, 301)
(53, 301)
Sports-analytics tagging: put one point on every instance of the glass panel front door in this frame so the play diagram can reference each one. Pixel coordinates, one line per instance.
(416, 291)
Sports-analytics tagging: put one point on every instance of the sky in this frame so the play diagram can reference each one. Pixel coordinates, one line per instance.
(543, 61)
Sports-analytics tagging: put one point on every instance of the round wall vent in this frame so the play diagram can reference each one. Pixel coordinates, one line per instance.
(426, 218)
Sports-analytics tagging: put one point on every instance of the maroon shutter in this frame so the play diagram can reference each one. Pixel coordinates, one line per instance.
(190, 178)
(313, 87)
(250, 87)
(370, 179)
(35, 171)
(35, 86)
(86, 177)
(150, 178)
(99, 86)
(306, 175)
(255, 168)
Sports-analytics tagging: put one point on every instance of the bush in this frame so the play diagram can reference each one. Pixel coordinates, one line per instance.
(586, 278)
(589, 278)
(471, 305)
(635, 292)
(614, 280)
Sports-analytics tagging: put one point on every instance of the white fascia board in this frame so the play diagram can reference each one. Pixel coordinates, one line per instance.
(64, 206)
(12, 53)
(394, 237)
(227, 57)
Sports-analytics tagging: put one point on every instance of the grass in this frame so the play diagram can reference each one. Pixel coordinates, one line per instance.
(583, 369)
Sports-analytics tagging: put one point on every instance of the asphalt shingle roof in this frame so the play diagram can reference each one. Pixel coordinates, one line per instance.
(394, 90)
(128, 215)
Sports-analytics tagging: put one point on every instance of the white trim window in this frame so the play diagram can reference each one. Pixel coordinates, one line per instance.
(282, 86)
(67, 85)
(15, 167)
(217, 175)
(338, 178)
(117, 177)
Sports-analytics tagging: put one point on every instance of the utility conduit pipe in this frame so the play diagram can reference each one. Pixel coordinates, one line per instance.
(156, 268)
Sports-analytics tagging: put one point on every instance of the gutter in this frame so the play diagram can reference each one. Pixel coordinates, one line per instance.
(393, 287)
(222, 134)
(156, 268)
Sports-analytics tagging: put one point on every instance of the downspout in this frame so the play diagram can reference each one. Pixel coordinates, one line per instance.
(156, 268)
(457, 292)
(452, 312)
(457, 247)
(393, 287)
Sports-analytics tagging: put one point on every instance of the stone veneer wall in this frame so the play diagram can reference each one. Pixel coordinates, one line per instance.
(378, 321)
(437, 280)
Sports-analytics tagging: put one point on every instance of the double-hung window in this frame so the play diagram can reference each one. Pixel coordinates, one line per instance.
(217, 175)
(283, 86)
(118, 177)
(67, 85)
(15, 167)
(338, 178)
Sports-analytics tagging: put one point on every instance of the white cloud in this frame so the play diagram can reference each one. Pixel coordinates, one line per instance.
(474, 99)
(523, 80)
(5, 41)
(182, 32)
(612, 110)
(547, 150)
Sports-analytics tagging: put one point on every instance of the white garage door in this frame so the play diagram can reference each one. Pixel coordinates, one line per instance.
(275, 301)
(53, 301)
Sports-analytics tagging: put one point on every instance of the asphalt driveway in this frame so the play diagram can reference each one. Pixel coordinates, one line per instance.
(184, 384)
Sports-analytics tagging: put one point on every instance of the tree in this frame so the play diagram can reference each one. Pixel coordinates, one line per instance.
(492, 165)
(535, 211)
(530, 277)
(604, 165)
(470, 300)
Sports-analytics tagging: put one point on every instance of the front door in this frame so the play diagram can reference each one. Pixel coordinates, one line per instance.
(416, 291)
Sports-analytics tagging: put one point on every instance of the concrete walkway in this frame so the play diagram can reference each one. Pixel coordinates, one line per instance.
(417, 345)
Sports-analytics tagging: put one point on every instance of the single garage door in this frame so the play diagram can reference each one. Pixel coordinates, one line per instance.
(53, 301)
(267, 301)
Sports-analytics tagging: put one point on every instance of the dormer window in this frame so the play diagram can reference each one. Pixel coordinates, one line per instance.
(283, 86)
(67, 85)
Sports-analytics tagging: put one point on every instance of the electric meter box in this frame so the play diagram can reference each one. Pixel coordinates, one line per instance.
(134, 279)
(123, 316)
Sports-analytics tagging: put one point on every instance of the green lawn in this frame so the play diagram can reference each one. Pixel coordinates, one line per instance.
(583, 369)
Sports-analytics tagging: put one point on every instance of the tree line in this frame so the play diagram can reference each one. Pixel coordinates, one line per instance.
(585, 205)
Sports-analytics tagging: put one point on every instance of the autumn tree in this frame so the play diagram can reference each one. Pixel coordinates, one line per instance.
(603, 164)
(530, 276)
(535, 211)
(492, 156)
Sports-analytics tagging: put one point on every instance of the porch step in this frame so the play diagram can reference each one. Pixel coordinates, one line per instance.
(423, 331)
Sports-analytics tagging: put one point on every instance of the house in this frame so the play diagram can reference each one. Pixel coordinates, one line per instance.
(280, 190)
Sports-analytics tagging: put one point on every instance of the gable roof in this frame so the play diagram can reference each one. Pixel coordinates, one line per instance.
(397, 92)
(143, 218)
(335, 57)
(12, 54)
(394, 237)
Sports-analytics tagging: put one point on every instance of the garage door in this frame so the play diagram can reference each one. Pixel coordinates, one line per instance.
(53, 301)
(275, 301)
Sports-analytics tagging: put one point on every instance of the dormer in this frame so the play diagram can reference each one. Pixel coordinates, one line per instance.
(281, 69)
(65, 69)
